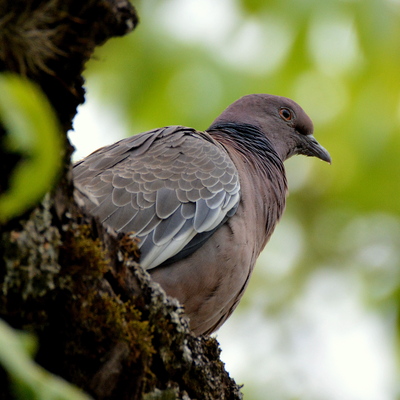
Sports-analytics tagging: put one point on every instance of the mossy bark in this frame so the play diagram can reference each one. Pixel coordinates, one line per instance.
(100, 320)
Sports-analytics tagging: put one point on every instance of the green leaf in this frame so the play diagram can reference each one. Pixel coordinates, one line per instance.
(30, 381)
(34, 133)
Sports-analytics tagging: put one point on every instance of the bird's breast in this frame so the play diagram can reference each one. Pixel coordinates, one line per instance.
(211, 281)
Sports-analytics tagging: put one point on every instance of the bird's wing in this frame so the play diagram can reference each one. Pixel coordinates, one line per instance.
(172, 186)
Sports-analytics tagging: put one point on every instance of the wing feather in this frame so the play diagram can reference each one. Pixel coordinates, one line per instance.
(120, 197)
(119, 220)
(167, 229)
(172, 186)
(216, 200)
(166, 202)
(205, 217)
(105, 209)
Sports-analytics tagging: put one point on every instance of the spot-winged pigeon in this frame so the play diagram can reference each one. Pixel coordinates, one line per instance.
(203, 204)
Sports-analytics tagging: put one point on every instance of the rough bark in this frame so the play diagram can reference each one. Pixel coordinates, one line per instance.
(101, 322)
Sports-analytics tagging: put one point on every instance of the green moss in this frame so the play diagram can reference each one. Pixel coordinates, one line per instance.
(168, 394)
(98, 318)
(83, 253)
(129, 246)
(99, 308)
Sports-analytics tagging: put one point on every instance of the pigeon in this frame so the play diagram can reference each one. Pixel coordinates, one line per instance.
(203, 204)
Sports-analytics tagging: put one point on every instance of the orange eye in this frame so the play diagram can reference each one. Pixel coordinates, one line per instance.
(286, 114)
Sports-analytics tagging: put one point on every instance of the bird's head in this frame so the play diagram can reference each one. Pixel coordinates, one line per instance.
(283, 121)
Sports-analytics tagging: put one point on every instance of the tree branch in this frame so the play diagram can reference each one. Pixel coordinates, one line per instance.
(102, 323)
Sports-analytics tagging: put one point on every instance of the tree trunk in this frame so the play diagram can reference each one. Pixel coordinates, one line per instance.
(101, 322)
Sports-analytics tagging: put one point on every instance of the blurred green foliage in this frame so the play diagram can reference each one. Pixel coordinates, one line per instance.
(339, 59)
(32, 132)
(30, 381)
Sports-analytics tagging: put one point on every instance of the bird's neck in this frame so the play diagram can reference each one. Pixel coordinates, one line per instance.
(249, 146)
(253, 145)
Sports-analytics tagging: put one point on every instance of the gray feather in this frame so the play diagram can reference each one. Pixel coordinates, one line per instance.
(205, 217)
(168, 228)
(188, 210)
(217, 200)
(120, 197)
(165, 185)
(166, 203)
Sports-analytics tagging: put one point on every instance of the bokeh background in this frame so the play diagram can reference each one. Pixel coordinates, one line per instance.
(319, 319)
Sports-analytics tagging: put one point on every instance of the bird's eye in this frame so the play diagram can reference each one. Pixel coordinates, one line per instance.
(286, 114)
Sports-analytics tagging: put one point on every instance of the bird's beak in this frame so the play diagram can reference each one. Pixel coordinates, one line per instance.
(314, 149)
